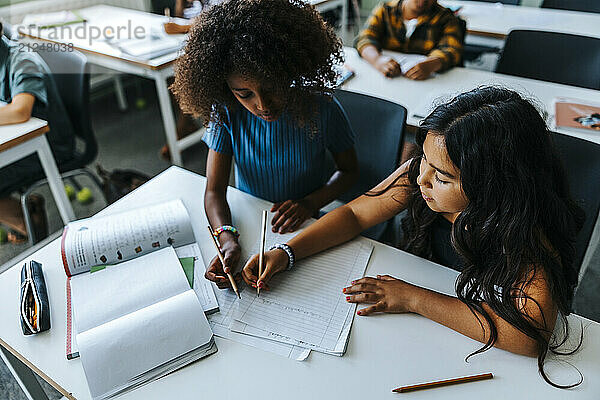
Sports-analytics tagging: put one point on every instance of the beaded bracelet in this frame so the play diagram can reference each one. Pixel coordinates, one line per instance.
(289, 252)
(224, 228)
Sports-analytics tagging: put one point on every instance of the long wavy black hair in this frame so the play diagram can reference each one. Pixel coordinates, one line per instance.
(520, 216)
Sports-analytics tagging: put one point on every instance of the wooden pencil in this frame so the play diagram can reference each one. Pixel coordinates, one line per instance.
(446, 382)
(261, 255)
(220, 255)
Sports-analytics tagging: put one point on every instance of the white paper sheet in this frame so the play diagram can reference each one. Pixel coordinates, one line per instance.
(202, 287)
(307, 303)
(220, 322)
(406, 61)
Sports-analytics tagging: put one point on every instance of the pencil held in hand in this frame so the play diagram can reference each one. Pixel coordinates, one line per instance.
(446, 382)
(220, 255)
(261, 255)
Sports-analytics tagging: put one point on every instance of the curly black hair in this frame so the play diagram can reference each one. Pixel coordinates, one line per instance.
(282, 43)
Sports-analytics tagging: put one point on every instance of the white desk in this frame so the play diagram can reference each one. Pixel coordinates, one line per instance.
(417, 96)
(497, 19)
(20, 140)
(384, 351)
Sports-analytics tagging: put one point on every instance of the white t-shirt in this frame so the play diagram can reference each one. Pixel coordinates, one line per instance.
(410, 25)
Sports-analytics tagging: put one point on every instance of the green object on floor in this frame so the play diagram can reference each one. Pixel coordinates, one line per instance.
(70, 190)
(140, 103)
(3, 235)
(84, 196)
(187, 263)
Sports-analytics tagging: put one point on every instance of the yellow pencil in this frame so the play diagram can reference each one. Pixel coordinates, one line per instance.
(220, 255)
(261, 255)
(453, 381)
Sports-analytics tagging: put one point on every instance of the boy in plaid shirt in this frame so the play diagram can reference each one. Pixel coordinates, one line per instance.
(412, 26)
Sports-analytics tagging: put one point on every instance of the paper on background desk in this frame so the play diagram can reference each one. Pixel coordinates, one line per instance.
(406, 61)
(306, 306)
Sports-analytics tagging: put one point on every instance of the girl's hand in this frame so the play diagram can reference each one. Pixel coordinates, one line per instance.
(290, 215)
(274, 261)
(424, 69)
(231, 254)
(387, 294)
(388, 66)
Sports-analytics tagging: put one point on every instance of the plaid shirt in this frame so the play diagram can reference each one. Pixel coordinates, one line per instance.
(437, 34)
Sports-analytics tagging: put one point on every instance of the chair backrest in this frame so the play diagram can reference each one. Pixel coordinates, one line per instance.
(7, 30)
(573, 5)
(551, 56)
(70, 73)
(581, 160)
(379, 128)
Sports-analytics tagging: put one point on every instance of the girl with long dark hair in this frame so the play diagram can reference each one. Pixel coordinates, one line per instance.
(488, 197)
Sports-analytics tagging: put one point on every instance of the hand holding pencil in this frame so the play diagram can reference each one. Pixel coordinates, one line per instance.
(217, 270)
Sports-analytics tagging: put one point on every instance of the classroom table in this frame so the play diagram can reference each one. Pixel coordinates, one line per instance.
(384, 351)
(102, 53)
(496, 20)
(17, 141)
(419, 96)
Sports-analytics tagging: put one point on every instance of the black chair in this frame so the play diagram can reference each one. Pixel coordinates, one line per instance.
(573, 5)
(554, 57)
(379, 128)
(471, 52)
(70, 72)
(581, 160)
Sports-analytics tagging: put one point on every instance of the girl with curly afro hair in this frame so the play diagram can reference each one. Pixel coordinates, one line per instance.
(260, 73)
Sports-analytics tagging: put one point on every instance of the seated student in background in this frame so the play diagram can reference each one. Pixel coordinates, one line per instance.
(487, 197)
(411, 26)
(261, 71)
(187, 9)
(28, 89)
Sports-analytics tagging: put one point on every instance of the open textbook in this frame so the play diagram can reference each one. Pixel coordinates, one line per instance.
(88, 245)
(121, 311)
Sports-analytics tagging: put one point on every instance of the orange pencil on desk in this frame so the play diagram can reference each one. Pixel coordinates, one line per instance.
(261, 255)
(446, 382)
(220, 255)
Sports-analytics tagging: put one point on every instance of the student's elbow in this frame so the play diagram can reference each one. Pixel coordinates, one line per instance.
(20, 114)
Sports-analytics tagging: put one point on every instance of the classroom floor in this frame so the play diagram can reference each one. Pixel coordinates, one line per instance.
(132, 139)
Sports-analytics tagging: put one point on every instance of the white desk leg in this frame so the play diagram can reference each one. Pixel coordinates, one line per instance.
(54, 180)
(24, 376)
(344, 21)
(166, 110)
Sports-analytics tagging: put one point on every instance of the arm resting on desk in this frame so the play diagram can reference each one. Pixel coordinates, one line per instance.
(288, 218)
(18, 110)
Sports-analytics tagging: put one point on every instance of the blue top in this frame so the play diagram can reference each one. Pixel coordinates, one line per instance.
(278, 160)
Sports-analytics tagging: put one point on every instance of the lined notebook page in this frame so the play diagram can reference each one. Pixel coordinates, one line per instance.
(307, 303)
(219, 322)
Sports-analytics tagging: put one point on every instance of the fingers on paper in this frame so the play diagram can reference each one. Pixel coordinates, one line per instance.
(377, 307)
(363, 298)
(284, 212)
